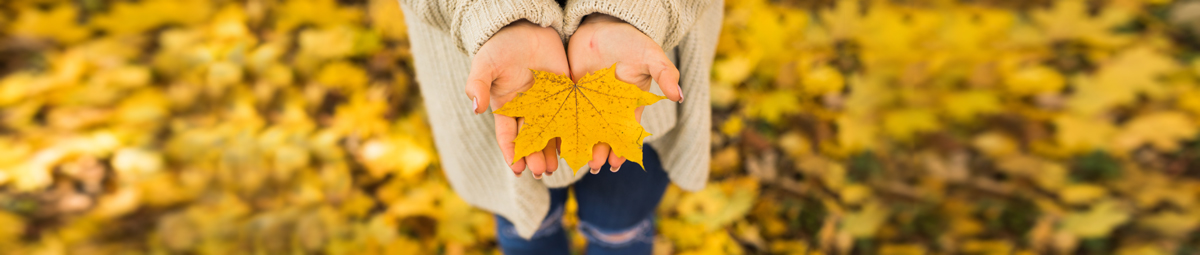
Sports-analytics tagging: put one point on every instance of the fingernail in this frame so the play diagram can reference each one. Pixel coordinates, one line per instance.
(595, 170)
(549, 173)
(680, 93)
(517, 174)
(474, 104)
(537, 176)
(614, 169)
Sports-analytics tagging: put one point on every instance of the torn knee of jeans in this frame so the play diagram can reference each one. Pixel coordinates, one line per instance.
(551, 225)
(641, 232)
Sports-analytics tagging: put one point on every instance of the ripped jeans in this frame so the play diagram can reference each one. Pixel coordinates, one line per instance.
(616, 213)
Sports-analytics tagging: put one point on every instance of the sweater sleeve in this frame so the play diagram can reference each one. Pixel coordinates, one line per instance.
(665, 21)
(472, 22)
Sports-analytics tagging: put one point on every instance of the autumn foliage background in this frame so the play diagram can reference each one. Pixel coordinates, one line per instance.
(866, 127)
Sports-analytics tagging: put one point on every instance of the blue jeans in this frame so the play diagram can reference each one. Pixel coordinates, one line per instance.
(616, 213)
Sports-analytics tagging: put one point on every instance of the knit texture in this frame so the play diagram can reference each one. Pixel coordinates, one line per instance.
(665, 21)
(472, 22)
(445, 34)
(688, 142)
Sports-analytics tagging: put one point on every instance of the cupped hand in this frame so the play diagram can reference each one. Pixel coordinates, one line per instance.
(501, 69)
(602, 40)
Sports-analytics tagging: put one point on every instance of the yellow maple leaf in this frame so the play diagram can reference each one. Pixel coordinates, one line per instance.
(1121, 79)
(319, 45)
(58, 23)
(987, 247)
(970, 33)
(321, 13)
(772, 106)
(1081, 134)
(1163, 130)
(1097, 221)
(1171, 223)
(906, 124)
(965, 106)
(1033, 80)
(857, 133)
(1046, 174)
(845, 20)
(795, 144)
(133, 163)
(1082, 194)
(12, 226)
(127, 18)
(995, 144)
(387, 19)
(361, 116)
(822, 80)
(598, 109)
(866, 221)
(1188, 99)
(901, 249)
(342, 75)
(733, 126)
(718, 205)
(1071, 20)
(397, 153)
(734, 69)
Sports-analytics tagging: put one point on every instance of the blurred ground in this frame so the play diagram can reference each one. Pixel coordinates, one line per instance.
(864, 127)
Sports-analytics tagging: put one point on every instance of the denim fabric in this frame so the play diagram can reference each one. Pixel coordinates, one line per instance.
(616, 213)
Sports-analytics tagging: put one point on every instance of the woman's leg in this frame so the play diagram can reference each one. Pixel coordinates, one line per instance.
(616, 210)
(549, 238)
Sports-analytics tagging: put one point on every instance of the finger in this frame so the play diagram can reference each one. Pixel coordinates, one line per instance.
(667, 77)
(537, 164)
(615, 162)
(506, 132)
(577, 67)
(551, 154)
(518, 167)
(577, 71)
(479, 86)
(599, 155)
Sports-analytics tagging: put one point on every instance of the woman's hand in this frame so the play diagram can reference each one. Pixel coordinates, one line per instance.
(602, 40)
(501, 69)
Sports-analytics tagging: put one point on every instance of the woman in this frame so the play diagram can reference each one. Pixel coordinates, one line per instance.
(486, 49)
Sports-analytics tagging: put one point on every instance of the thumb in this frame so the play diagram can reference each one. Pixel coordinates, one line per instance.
(479, 87)
(667, 77)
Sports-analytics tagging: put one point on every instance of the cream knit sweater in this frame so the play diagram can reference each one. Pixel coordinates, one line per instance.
(445, 35)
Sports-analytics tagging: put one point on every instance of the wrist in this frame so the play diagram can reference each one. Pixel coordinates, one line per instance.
(521, 23)
(530, 27)
(599, 18)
